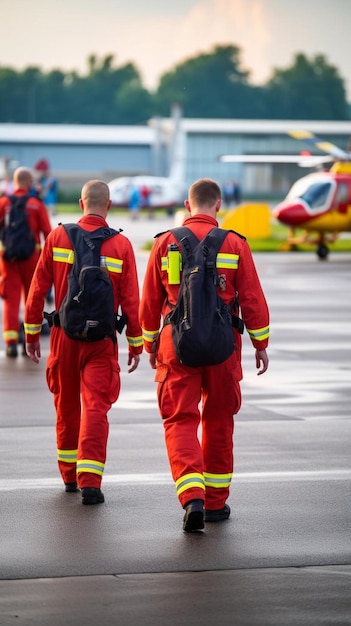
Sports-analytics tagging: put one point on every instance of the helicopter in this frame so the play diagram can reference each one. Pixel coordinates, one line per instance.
(320, 202)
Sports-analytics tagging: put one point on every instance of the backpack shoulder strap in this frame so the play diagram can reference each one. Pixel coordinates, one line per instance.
(86, 243)
(188, 242)
(18, 202)
(215, 239)
(210, 246)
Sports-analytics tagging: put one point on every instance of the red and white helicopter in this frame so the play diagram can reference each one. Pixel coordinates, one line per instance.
(319, 203)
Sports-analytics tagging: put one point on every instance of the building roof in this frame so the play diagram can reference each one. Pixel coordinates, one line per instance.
(76, 134)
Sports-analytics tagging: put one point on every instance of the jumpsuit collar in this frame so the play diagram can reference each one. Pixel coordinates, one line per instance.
(200, 218)
(92, 220)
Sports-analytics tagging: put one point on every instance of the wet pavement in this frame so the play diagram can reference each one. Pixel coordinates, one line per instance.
(283, 558)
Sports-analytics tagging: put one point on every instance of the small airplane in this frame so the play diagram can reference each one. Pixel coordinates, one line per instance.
(166, 192)
(154, 191)
(319, 203)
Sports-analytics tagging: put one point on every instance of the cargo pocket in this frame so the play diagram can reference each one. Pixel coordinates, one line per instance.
(115, 381)
(52, 378)
(161, 377)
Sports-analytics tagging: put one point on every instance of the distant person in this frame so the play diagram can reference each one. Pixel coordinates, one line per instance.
(145, 194)
(48, 191)
(16, 275)
(84, 377)
(236, 192)
(134, 202)
(231, 193)
(228, 193)
(202, 472)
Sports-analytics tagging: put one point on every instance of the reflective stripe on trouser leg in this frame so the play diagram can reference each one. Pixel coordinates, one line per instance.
(67, 456)
(217, 489)
(91, 467)
(67, 460)
(187, 483)
(218, 481)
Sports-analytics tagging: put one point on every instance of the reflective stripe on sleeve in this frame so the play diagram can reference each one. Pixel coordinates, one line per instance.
(32, 329)
(11, 335)
(259, 334)
(227, 261)
(150, 335)
(135, 342)
(113, 265)
(63, 255)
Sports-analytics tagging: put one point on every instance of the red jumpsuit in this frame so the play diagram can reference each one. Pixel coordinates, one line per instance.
(201, 470)
(16, 276)
(83, 377)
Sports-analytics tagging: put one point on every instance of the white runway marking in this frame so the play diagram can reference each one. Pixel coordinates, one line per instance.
(163, 478)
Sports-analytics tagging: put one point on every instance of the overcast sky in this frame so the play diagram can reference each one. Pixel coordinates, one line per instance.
(158, 34)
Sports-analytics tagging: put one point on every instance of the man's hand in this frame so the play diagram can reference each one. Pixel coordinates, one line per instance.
(261, 357)
(33, 351)
(152, 360)
(133, 360)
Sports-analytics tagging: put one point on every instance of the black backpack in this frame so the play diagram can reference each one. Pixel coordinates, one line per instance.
(202, 324)
(87, 310)
(17, 238)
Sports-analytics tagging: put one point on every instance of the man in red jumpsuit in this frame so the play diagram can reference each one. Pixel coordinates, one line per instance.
(202, 471)
(84, 377)
(16, 276)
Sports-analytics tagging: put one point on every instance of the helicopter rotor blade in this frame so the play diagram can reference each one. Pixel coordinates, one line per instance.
(324, 146)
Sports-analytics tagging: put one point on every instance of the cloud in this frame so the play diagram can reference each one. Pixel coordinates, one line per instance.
(157, 35)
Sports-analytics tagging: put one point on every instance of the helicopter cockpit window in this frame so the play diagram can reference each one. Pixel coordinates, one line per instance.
(316, 195)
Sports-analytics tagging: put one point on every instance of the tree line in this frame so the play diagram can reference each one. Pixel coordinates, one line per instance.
(210, 85)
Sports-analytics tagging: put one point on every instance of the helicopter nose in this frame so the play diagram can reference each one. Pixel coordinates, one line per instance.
(291, 213)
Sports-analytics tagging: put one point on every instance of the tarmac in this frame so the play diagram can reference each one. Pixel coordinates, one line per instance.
(284, 556)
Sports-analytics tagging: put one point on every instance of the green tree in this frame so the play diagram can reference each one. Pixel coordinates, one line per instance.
(133, 103)
(309, 89)
(210, 85)
(94, 98)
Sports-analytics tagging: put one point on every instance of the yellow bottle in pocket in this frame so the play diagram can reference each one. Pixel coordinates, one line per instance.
(174, 263)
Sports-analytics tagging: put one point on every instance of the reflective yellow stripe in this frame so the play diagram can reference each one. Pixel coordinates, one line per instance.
(94, 467)
(224, 261)
(113, 265)
(150, 335)
(260, 333)
(67, 456)
(227, 261)
(11, 335)
(63, 255)
(189, 481)
(135, 341)
(217, 480)
(32, 329)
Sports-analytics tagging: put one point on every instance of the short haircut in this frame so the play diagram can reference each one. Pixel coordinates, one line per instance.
(204, 192)
(95, 193)
(22, 178)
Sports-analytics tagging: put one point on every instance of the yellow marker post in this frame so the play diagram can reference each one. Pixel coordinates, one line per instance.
(253, 220)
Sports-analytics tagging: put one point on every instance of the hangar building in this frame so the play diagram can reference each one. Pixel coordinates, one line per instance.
(77, 153)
